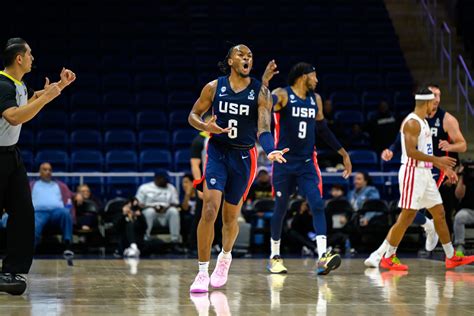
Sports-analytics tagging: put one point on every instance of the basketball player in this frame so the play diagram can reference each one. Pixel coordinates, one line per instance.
(417, 187)
(447, 140)
(241, 109)
(18, 105)
(298, 115)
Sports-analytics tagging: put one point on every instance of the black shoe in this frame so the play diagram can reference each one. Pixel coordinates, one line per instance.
(13, 284)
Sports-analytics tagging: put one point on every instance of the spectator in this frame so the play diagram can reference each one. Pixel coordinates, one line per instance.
(337, 191)
(362, 191)
(188, 207)
(159, 201)
(357, 138)
(51, 199)
(87, 209)
(465, 216)
(262, 187)
(131, 227)
(301, 232)
(383, 127)
(3, 220)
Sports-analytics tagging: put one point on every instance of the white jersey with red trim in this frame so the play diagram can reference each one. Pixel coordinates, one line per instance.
(425, 143)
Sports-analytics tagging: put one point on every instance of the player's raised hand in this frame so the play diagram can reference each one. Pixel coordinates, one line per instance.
(277, 155)
(387, 155)
(445, 162)
(451, 175)
(347, 166)
(444, 145)
(212, 127)
(270, 71)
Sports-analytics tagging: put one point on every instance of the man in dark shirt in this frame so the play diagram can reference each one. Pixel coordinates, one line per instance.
(383, 127)
(18, 105)
(262, 187)
(465, 216)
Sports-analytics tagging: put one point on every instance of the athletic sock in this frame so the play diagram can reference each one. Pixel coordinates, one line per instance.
(204, 267)
(383, 248)
(321, 243)
(390, 251)
(224, 255)
(275, 248)
(448, 250)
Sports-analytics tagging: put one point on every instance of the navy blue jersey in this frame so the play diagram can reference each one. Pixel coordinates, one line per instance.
(438, 133)
(238, 111)
(295, 125)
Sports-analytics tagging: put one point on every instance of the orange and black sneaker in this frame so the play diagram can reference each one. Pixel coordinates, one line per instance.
(456, 261)
(393, 263)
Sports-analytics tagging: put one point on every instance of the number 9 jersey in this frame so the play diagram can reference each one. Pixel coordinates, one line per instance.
(295, 126)
(237, 111)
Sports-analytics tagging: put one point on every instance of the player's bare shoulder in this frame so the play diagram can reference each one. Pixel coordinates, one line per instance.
(209, 90)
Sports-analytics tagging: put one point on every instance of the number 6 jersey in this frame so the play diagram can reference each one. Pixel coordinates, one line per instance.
(295, 125)
(238, 111)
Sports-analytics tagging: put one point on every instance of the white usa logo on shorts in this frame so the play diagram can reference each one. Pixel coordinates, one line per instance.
(213, 181)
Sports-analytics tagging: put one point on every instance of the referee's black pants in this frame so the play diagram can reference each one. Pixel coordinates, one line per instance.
(15, 198)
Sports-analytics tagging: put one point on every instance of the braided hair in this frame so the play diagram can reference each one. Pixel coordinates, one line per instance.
(224, 65)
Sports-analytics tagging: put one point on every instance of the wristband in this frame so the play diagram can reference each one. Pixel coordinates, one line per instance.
(266, 141)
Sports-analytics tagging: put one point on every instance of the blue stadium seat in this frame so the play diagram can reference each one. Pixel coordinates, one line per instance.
(119, 119)
(28, 161)
(368, 81)
(333, 64)
(399, 81)
(182, 160)
(181, 100)
(85, 119)
(183, 138)
(180, 81)
(344, 100)
(26, 140)
(336, 82)
(87, 82)
(145, 62)
(121, 160)
(113, 63)
(120, 139)
(392, 165)
(116, 82)
(150, 100)
(148, 82)
(118, 100)
(83, 63)
(53, 119)
(58, 159)
(87, 161)
(404, 101)
(361, 64)
(86, 101)
(86, 139)
(121, 187)
(179, 119)
(349, 117)
(151, 160)
(52, 139)
(153, 139)
(152, 120)
(371, 100)
(364, 160)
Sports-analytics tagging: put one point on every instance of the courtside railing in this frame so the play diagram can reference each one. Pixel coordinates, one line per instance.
(445, 54)
(464, 87)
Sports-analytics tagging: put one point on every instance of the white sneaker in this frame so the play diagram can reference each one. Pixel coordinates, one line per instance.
(373, 260)
(132, 251)
(431, 236)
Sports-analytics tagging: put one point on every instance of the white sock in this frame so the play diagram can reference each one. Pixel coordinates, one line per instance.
(224, 255)
(275, 247)
(204, 267)
(133, 246)
(448, 250)
(428, 225)
(383, 248)
(321, 243)
(391, 250)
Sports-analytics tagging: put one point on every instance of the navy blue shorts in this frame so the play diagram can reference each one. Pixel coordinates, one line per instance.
(302, 173)
(230, 171)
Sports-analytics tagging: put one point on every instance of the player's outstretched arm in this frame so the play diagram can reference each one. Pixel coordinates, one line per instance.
(264, 121)
(201, 106)
(22, 114)
(328, 136)
(270, 71)
(411, 131)
(451, 125)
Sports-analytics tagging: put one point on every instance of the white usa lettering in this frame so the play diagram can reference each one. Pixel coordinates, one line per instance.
(234, 108)
(303, 112)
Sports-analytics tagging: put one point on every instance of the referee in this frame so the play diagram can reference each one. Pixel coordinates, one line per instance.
(18, 105)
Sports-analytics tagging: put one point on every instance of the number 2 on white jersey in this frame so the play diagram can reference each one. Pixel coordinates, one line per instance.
(302, 130)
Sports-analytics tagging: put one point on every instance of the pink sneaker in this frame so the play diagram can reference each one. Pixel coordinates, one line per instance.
(219, 276)
(200, 284)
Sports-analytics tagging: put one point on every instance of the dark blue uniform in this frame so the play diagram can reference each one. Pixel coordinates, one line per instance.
(232, 158)
(295, 126)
